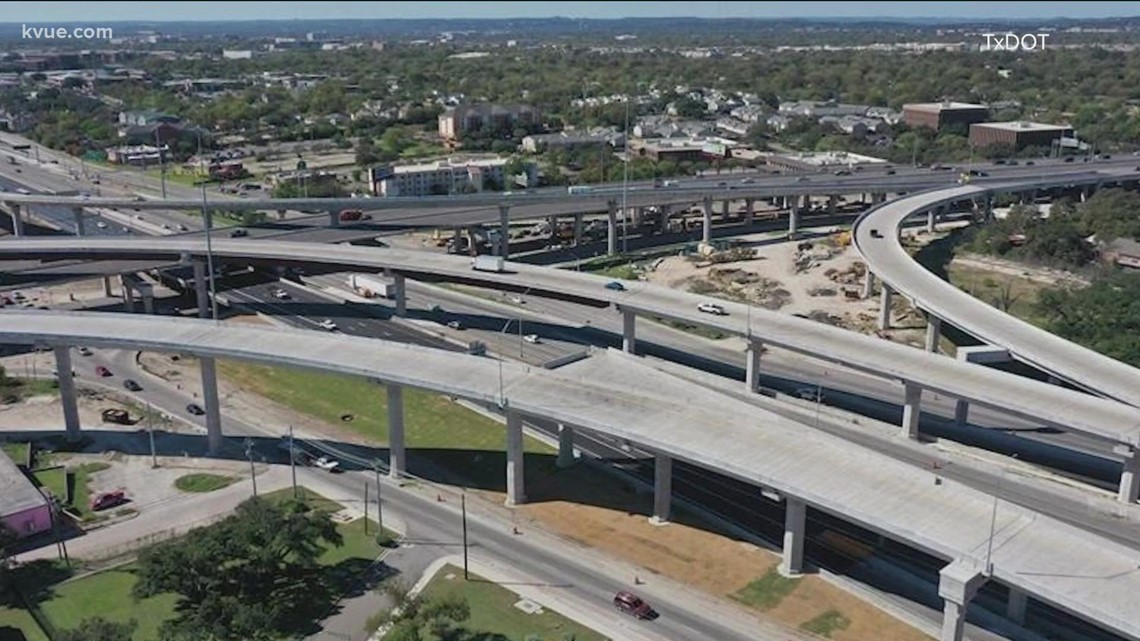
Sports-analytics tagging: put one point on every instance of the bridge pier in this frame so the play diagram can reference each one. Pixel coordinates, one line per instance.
(663, 213)
(912, 409)
(628, 331)
(961, 412)
(147, 294)
(611, 229)
(749, 210)
(724, 210)
(1016, 605)
(579, 219)
(1129, 474)
(128, 294)
(662, 489)
(706, 228)
(752, 368)
(516, 489)
(565, 446)
(17, 220)
(80, 229)
(933, 332)
(868, 284)
(885, 300)
(957, 585)
(794, 218)
(401, 295)
(397, 452)
(976, 354)
(334, 219)
(879, 198)
(200, 289)
(795, 517)
(930, 221)
(107, 293)
(504, 231)
(67, 393)
(832, 204)
(210, 401)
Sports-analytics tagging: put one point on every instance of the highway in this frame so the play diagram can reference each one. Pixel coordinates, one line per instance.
(891, 262)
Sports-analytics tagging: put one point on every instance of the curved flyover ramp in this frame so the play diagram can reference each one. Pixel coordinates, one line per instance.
(888, 260)
(1095, 578)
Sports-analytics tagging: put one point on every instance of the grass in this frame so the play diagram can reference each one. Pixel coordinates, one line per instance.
(54, 480)
(18, 452)
(81, 494)
(624, 272)
(108, 594)
(991, 287)
(827, 623)
(493, 611)
(452, 436)
(14, 390)
(21, 620)
(697, 330)
(423, 149)
(766, 592)
(203, 482)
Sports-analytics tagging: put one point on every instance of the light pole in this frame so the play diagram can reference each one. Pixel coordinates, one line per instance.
(161, 160)
(463, 511)
(293, 462)
(625, 183)
(379, 503)
(208, 221)
(249, 455)
(150, 431)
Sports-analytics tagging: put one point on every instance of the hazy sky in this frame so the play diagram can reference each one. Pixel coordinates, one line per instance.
(55, 12)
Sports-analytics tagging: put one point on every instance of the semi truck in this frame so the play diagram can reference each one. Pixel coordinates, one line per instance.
(370, 286)
(488, 264)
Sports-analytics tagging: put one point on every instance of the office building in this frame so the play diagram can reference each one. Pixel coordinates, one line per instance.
(937, 115)
(1017, 134)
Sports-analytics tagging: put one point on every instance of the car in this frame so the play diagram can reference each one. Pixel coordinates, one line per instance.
(195, 409)
(455, 324)
(138, 217)
(115, 415)
(1068, 159)
(1030, 162)
(328, 324)
(436, 309)
(533, 339)
(999, 161)
(1011, 161)
(84, 351)
(517, 300)
(875, 233)
(326, 463)
(239, 233)
(712, 308)
(810, 394)
(802, 179)
(842, 172)
(165, 226)
(102, 371)
(132, 385)
(1106, 157)
(890, 172)
(108, 500)
(613, 285)
(632, 604)
(182, 227)
(279, 294)
(746, 181)
(101, 225)
(722, 184)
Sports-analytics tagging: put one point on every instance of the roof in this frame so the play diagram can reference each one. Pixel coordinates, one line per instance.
(1022, 125)
(17, 494)
(948, 105)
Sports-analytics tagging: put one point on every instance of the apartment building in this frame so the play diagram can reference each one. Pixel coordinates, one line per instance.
(443, 177)
(458, 120)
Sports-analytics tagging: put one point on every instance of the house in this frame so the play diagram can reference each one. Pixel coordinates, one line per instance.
(732, 126)
(146, 118)
(752, 113)
(23, 509)
(137, 155)
(777, 122)
(1017, 134)
(536, 143)
(1124, 252)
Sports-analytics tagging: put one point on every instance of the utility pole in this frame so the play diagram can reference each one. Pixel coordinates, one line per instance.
(207, 220)
(249, 455)
(379, 504)
(625, 184)
(366, 508)
(162, 161)
(150, 431)
(463, 511)
(293, 461)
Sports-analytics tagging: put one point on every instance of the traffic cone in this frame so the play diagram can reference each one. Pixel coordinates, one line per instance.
(515, 529)
(636, 580)
(439, 498)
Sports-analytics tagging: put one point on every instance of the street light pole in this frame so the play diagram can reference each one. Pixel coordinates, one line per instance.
(293, 461)
(249, 455)
(463, 511)
(379, 503)
(150, 431)
(208, 221)
(625, 184)
(161, 161)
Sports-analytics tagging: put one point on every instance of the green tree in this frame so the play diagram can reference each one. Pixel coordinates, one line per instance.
(365, 152)
(99, 629)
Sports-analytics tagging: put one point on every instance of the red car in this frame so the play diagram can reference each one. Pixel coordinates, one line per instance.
(108, 500)
(630, 603)
(102, 371)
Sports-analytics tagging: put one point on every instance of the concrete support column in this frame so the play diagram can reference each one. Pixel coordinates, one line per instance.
(611, 229)
(794, 218)
(397, 452)
(552, 223)
(663, 218)
(724, 209)
(1129, 474)
(504, 231)
(930, 221)
(128, 295)
(957, 585)
(749, 210)
(67, 393)
(868, 284)
(17, 220)
(638, 216)
(662, 489)
(516, 490)
(211, 404)
(628, 331)
(792, 563)
(961, 412)
(334, 219)
(752, 368)
(201, 289)
(148, 302)
(885, 307)
(832, 204)
(401, 295)
(565, 446)
(880, 198)
(579, 219)
(1016, 605)
(933, 332)
(456, 240)
(1084, 194)
(80, 228)
(107, 293)
(912, 408)
(706, 228)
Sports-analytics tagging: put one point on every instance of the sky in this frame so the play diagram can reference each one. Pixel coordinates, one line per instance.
(44, 13)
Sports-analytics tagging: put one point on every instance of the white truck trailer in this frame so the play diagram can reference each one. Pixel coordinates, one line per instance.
(370, 286)
(488, 264)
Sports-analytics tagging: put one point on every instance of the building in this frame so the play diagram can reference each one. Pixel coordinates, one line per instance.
(937, 115)
(23, 509)
(15, 122)
(456, 121)
(146, 118)
(444, 177)
(569, 140)
(818, 160)
(1124, 252)
(1017, 134)
(137, 155)
(682, 149)
(812, 109)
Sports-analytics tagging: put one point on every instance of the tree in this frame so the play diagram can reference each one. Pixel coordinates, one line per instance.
(251, 576)
(99, 629)
(365, 152)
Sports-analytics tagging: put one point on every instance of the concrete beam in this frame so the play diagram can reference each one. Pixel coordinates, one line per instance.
(933, 332)
(662, 489)
(1016, 605)
(211, 405)
(565, 446)
(397, 451)
(885, 301)
(401, 295)
(957, 585)
(1129, 490)
(201, 289)
(912, 409)
(67, 393)
(80, 227)
(611, 229)
(504, 231)
(983, 354)
(628, 331)
(752, 368)
(516, 484)
(792, 562)
(706, 227)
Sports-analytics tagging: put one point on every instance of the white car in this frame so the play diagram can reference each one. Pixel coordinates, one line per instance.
(810, 394)
(532, 338)
(517, 300)
(281, 294)
(83, 351)
(101, 225)
(329, 325)
(326, 463)
(712, 308)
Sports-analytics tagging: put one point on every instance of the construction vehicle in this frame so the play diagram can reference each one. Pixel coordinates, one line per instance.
(121, 417)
